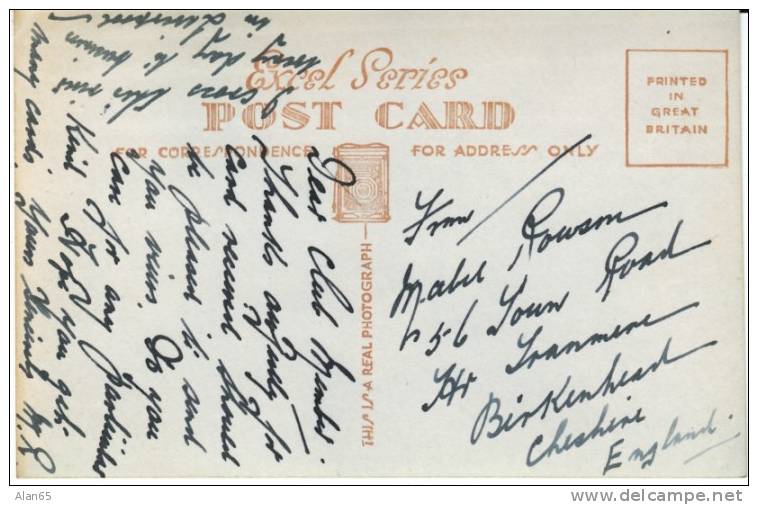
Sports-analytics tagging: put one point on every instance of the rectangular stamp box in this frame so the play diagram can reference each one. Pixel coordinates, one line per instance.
(677, 108)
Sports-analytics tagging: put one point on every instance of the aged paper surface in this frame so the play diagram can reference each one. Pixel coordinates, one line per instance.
(378, 244)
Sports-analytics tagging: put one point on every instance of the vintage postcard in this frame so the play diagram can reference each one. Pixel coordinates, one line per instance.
(378, 244)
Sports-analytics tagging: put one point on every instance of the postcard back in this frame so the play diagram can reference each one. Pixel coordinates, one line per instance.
(254, 244)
